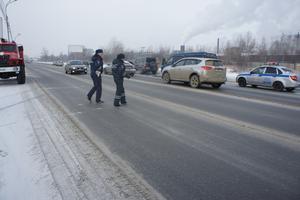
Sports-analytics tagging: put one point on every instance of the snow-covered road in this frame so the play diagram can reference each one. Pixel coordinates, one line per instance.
(45, 155)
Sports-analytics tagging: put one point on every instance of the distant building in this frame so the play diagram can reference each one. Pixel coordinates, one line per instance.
(76, 52)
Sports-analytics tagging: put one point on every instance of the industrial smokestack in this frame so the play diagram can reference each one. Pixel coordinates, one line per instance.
(182, 48)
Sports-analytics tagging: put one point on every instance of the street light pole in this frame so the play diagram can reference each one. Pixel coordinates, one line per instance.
(1, 27)
(9, 34)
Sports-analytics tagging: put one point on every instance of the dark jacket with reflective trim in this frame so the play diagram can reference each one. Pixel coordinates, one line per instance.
(97, 64)
(118, 68)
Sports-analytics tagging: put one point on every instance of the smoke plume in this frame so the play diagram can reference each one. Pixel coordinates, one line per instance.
(264, 17)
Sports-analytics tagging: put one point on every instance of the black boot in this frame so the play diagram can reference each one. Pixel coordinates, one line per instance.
(89, 98)
(117, 102)
(123, 100)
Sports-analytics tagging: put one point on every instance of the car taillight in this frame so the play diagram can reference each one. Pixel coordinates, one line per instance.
(206, 68)
(294, 78)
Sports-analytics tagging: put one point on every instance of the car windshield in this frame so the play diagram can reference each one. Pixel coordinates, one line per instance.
(76, 62)
(8, 48)
(213, 63)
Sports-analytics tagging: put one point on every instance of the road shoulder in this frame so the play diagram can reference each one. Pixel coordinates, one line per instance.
(69, 164)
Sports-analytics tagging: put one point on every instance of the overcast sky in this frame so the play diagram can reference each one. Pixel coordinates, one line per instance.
(54, 24)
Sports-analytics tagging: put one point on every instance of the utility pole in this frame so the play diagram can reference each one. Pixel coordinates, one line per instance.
(218, 46)
(1, 27)
(297, 43)
(4, 13)
(1, 19)
(9, 34)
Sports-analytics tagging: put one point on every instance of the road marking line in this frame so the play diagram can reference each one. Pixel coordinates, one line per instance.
(280, 137)
(263, 102)
(221, 95)
(279, 105)
(197, 113)
(231, 96)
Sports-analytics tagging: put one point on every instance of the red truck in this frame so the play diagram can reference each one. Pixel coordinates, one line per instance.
(12, 61)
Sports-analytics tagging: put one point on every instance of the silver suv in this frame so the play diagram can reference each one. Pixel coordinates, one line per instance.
(196, 71)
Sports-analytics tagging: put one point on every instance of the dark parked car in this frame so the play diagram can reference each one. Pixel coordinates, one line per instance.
(147, 65)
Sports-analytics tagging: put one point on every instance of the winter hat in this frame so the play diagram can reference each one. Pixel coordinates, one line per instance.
(99, 51)
(121, 56)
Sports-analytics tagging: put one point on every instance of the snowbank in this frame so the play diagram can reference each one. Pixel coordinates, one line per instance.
(23, 171)
(231, 76)
(47, 63)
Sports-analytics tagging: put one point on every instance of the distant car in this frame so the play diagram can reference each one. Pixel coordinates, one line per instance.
(150, 66)
(196, 71)
(278, 77)
(147, 65)
(75, 66)
(58, 63)
(107, 69)
(129, 69)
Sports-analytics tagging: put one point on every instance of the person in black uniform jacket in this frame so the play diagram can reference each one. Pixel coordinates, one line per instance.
(96, 71)
(118, 70)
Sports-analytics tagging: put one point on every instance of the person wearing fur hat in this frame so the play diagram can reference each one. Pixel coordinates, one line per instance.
(96, 71)
(118, 70)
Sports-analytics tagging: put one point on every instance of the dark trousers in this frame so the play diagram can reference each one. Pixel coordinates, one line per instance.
(120, 91)
(96, 88)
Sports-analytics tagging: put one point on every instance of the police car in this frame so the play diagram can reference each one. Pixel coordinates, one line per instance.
(278, 77)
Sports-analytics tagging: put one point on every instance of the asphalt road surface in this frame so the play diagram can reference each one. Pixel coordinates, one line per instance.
(227, 143)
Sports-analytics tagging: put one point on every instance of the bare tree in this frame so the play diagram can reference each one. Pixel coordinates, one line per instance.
(114, 47)
(250, 43)
(44, 55)
(262, 50)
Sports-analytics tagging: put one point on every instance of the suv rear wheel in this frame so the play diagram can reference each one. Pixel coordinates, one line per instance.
(194, 81)
(166, 77)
